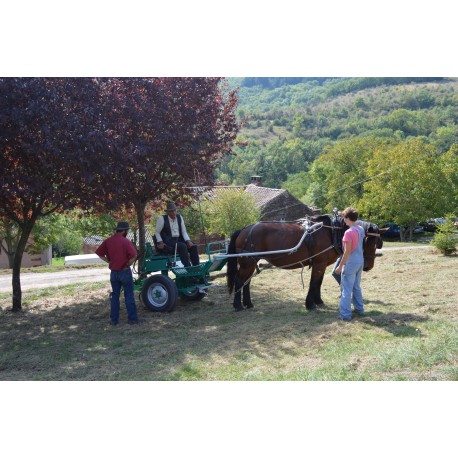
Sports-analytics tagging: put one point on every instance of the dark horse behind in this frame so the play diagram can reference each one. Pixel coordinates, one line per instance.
(320, 248)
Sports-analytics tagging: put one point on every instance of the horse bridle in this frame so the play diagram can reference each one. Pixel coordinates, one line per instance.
(366, 236)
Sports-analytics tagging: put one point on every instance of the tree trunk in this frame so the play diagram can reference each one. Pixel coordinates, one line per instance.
(16, 280)
(140, 209)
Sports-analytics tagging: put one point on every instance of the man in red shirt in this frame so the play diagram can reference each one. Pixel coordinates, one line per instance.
(120, 254)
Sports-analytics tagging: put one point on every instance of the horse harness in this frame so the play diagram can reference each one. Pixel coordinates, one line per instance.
(337, 242)
(337, 226)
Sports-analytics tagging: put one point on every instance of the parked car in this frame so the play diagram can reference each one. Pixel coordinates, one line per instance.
(418, 229)
(394, 230)
(431, 224)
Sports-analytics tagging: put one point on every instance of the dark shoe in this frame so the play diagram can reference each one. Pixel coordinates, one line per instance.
(133, 321)
(114, 323)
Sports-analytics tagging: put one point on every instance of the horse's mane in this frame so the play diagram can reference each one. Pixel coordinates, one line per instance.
(368, 226)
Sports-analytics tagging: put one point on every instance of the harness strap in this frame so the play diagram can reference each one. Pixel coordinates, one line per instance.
(248, 238)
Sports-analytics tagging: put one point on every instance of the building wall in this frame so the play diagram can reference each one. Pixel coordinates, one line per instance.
(29, 260)
(89, 249)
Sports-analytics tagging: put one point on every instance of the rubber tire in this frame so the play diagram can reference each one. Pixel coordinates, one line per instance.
(159, 293)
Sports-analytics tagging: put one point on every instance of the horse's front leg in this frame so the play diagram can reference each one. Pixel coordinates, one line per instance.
(313, 298)
(309, 300)
(247, 296)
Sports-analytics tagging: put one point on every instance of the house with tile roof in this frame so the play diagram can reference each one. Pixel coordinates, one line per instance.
(275, 204)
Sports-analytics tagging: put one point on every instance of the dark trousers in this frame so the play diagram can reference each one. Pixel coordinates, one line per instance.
(183, 251)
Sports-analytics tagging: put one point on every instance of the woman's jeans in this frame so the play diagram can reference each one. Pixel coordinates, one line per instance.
(351, 289)
(118, 279)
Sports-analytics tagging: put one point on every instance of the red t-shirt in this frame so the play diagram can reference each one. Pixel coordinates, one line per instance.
(118, 250)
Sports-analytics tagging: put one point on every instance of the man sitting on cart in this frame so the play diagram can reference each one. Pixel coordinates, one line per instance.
(171, 233)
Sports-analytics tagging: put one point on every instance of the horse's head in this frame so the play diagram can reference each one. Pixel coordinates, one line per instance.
(372, 241)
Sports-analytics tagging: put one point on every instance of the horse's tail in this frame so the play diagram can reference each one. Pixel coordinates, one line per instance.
(231, 271)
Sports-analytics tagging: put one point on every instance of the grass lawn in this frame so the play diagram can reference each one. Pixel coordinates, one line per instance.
(58, 261)
(410, 331)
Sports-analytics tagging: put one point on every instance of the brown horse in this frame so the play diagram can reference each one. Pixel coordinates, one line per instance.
(314, 242)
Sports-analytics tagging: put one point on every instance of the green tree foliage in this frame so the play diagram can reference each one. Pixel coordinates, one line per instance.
(411, 123)
(95, 222)
(297, 184)
(338, 175)
(444, 137)
(449, 166)
(445, 239)
(193, 218)
(232, 210)
(409, 184)
(49, 229)
(68, 243)
(319, 112)
(65, 232)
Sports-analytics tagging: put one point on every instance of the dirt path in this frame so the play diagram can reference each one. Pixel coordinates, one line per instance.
(48, 279)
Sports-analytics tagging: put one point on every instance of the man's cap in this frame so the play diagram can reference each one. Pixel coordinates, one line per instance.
(171, 207)
(122, 226)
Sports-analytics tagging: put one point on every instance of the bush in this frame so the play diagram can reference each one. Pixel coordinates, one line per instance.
(68, 244)
(232, 210)
(445, 239)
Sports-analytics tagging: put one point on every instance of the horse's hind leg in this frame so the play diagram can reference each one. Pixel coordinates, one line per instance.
(238, 286)
(247, 296)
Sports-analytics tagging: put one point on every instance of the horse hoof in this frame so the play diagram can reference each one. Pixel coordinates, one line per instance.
(311, 307)
(250, 306)
(239, 309)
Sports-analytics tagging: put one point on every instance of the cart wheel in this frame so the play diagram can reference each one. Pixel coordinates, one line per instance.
(159, 293)
(193, 296)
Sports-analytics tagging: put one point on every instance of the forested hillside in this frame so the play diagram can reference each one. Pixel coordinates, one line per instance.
(291, 122)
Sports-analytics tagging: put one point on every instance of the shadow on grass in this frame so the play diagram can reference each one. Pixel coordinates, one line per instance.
(398, 324)
(72, 339)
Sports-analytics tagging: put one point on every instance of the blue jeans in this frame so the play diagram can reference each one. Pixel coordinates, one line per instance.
(118, 279)
(351, 289)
